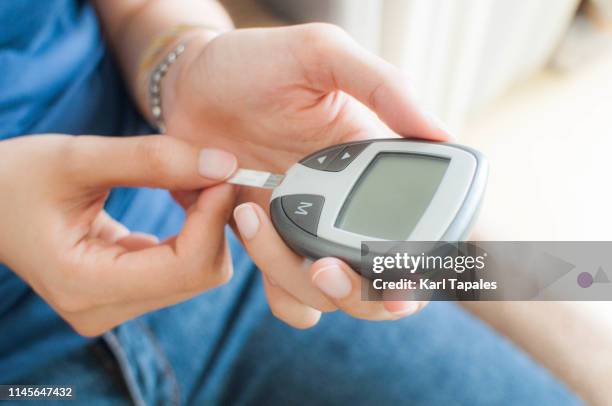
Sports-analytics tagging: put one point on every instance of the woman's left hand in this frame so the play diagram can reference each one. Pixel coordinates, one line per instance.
(272, 96)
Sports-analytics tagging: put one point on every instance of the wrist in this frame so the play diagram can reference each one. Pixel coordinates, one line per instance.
(156, 92)
(178, 85)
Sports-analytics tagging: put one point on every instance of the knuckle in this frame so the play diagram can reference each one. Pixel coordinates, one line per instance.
(65, 302)
(87, 329)
(222, 273)
(323, 31)
(152, 150)
(375, 95)
(322, 37)
(192, 279)
(221, 269)
(198, 278)
(64, 289)
(72, 156)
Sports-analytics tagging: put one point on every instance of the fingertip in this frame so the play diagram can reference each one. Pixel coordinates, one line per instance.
(439, 129)
(400, 309)
(408, 116)
(309, 320)
(425, 127)
(247, 220)
(331, 277)
(216, 164)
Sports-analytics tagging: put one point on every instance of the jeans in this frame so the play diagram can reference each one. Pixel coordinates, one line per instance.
(224, 347)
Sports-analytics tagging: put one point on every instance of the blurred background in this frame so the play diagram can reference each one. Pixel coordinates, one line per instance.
(528, 82)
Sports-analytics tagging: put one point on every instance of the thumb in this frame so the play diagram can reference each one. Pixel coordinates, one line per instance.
(341, 64)
(154, 161)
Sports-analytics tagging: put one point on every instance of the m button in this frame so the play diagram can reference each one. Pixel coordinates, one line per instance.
(304, 211)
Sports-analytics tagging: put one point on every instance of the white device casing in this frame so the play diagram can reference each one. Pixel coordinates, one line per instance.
(449, 217)
(335, 187)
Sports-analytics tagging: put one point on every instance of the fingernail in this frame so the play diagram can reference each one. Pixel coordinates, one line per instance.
(246, 220)
(436, 122)
(401, 308)
(216, 164)
(333, 282)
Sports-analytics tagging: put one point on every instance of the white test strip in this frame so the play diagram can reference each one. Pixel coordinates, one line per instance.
(250, 177)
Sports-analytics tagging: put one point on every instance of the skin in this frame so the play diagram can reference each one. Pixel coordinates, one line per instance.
(91, 269)
(307, 87)
(269, 96)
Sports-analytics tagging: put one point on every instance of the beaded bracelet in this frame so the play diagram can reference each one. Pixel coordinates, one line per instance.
(156, 75)
(155, 85)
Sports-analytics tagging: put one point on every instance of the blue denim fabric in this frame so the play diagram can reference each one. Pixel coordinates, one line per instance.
(225, 348)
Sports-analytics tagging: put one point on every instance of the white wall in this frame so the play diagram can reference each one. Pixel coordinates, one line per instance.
(461, 54)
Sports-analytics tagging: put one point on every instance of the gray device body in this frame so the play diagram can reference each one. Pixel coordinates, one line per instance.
(332, 176)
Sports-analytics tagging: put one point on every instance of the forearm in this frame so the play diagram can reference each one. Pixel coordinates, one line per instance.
(130, 26)
(573, 340)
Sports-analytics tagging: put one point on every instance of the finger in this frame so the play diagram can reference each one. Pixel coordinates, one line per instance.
(195, 260)
(153, 161)
(185, 198)
(343, 286)
(106, 228)
(404, 308)
(138, 241)
(98, 320)
(287, 308)
(274, 258)
(340, 63)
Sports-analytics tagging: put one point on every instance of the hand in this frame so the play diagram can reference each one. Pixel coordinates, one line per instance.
(92, 270)
(289, 279)
(272, 96)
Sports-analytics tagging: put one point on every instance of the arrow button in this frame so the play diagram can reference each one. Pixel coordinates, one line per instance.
(347, 156)
(322, 158)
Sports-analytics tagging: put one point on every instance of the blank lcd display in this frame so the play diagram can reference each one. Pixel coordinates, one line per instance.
(391, 196)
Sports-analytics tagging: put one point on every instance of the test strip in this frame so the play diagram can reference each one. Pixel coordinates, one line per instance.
(250, 177)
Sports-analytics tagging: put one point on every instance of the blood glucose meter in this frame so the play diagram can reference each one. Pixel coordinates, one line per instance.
(378, 190)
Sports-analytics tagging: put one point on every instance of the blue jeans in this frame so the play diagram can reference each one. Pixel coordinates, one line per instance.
(224, 347)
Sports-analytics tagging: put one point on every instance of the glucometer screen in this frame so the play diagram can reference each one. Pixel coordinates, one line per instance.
(391, 196)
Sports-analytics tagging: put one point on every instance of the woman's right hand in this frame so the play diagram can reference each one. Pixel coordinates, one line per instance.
(55, 234)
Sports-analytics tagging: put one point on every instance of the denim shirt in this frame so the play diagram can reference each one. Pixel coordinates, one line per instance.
(53, 65)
